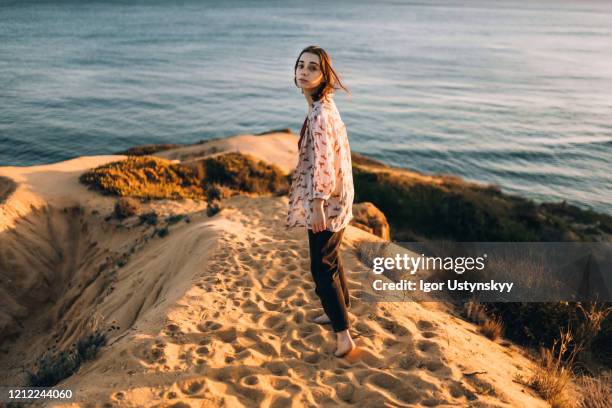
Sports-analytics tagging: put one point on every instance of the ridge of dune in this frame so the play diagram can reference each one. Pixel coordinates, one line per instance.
(279, 148)
(218, 311)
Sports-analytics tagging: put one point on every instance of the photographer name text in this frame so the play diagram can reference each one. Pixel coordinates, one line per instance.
(451, 285)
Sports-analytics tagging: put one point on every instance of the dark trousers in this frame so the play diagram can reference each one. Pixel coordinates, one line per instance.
(328, 274)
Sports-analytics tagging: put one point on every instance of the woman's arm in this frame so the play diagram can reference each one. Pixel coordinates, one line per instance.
(324, 175)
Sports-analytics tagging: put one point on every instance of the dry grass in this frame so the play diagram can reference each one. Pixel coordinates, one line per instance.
(475, 312)
(492, 328)
(146, 177)
(594, 315)
(552, 378)
(596, 391)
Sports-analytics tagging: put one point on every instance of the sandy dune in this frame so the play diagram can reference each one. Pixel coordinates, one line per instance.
(277, 148)
(217, 313)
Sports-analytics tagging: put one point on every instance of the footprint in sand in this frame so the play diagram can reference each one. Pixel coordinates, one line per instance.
(203, 350)
(425, 325)
(345, 391)
(151, 352)
(209, 325)
(266, 348)
(172, 330)
(429, 334)
(246, 258)
(270, 306)
(278, 368)
(401, 390)
(273, 320)
(393, 327)
(226, 335)
(286, 292)
(250, 307)
(312, 358)
(250, 380)
(191, 388)
(313, 341)
(299, 302)
(427, 346)
(390, 343)
(408, 360)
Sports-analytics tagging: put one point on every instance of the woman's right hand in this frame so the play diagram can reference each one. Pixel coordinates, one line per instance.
(318, 216)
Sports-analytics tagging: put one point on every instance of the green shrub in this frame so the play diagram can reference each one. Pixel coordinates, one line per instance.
(163, 232)
(173, 219)
(243, 172)
(149, 218)
(146, 177)
(54, 366)
(447, 207)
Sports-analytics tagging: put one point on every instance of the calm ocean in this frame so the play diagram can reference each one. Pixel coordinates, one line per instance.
(517, 93)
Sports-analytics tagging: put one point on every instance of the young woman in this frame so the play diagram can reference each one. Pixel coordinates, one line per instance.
(321, 192)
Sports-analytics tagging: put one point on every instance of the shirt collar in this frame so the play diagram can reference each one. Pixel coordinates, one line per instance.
(328, 97)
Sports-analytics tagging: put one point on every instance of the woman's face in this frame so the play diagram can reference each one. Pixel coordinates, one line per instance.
(308, 73)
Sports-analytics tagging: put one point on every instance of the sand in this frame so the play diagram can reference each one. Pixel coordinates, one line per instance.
(217, 313)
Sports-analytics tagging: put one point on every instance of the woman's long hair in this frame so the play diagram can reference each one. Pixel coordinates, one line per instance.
(331, 80)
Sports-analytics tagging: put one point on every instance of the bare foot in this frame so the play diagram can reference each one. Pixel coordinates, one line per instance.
(323, 319)
(345, 343)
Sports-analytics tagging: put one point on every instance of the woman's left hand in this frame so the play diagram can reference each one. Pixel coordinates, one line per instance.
(318, 217)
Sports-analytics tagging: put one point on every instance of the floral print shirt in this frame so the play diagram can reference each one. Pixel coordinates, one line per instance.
(324, 169)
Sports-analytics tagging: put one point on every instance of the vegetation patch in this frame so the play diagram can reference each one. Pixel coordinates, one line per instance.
(162, 232)
(54, 366)
(447, 207)
(146, 177)
(149, 218)
(490, 326)
(173, 219)
(243, 172)
(537, 325)
(553, 375)
(596, 391)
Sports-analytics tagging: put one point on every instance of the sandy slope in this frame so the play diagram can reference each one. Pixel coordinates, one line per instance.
(218, 312)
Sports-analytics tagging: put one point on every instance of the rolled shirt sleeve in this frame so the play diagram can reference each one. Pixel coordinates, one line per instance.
(324, 176)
